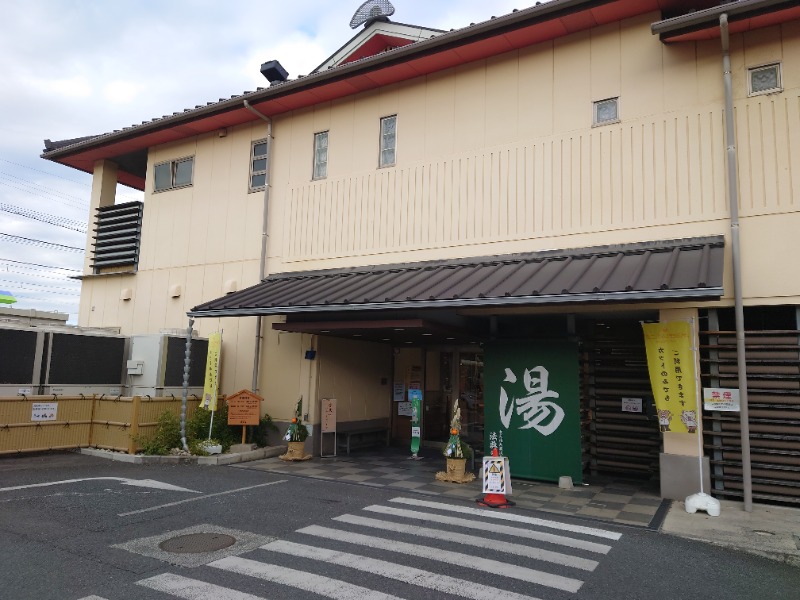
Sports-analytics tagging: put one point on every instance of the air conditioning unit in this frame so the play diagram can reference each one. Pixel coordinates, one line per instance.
(155, 365)
(21, 364)
(81, 361)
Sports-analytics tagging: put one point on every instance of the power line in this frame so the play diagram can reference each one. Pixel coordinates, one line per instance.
(38, 285)
(22, 262)
(43, 217)
(18, 239)
(42, 195)
(40, 187)
(62, 177)
(47, 173)
(36, 273)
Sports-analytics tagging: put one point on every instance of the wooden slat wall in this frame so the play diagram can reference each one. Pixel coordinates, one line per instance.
(615, 367)
(773, 379)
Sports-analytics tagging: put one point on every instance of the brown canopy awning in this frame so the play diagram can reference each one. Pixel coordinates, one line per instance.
(666, 270)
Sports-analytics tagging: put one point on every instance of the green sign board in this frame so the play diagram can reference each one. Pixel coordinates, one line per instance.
(532, 407)
(415, 397)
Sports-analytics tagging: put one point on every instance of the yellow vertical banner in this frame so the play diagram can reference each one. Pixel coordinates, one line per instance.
(210, 388)
(670, 362)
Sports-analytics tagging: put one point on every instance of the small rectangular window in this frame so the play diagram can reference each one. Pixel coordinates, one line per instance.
(764, 80)
(173, 174)
(606, 111)
(258, 166)
(388, 141)
(320, 155)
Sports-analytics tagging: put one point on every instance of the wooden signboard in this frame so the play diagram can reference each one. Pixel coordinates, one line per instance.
(244, 408)
(328, 415)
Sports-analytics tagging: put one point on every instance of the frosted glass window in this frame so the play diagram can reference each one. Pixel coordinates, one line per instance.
(606, 111)
(258, 166)
(765, 79)
(320, 155)
(388, 141)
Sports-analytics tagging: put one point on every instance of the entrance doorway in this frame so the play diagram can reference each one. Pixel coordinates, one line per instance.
(457, 374)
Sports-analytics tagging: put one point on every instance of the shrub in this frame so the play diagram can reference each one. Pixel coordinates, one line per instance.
(166, 437)
(197, 427)
(259, 435)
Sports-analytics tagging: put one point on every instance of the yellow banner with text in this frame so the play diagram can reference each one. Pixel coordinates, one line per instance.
(671, 364)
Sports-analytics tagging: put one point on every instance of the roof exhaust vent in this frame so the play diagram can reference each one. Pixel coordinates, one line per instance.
(274, 72)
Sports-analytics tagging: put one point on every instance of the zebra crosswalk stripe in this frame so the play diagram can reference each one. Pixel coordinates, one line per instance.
(495, 528)
(497, 568)
(192, 589)
(434, 581)
(593, 531)
(310, 582)
(471, 540)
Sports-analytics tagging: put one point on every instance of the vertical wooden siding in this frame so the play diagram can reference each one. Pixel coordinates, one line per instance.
(646, 173)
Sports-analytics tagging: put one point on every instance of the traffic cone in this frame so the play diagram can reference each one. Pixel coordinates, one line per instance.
(494, 500)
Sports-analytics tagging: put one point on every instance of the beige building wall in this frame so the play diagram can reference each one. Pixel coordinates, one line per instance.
(358, 375)
(500, 156)
(493, 157)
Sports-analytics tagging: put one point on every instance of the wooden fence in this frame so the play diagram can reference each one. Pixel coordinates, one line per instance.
(38, 423)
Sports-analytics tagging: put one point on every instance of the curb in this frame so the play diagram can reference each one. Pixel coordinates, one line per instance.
(216, 460)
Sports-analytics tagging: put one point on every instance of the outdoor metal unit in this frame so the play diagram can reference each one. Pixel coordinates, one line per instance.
(21, 363)
(79, 361)
(155, 365)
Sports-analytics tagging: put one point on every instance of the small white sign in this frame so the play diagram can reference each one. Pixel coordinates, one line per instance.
(632, 405)
(115, 391)
(496, 477)
(25, 392)
(722, 399)
(404, 409)
(44, 411)
(415, 432)
(399, 391)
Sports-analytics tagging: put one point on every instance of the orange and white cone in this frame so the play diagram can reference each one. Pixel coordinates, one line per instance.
(494, 500)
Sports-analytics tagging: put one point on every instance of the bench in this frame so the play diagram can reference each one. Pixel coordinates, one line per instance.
(362, 435)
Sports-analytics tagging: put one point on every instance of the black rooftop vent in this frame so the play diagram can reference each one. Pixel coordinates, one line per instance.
(274, 72)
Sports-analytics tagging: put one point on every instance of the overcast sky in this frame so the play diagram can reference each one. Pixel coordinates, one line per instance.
(72, 68)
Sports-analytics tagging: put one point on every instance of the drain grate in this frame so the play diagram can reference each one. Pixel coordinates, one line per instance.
(197, 543)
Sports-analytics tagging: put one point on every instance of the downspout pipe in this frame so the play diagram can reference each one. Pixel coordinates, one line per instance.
(733, 199)
(264, 234)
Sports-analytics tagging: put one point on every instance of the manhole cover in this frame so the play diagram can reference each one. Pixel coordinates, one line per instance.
(197, 543)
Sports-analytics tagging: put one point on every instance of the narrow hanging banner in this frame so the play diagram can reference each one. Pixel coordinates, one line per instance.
(415, 397)
(210, 389)
(672, 374)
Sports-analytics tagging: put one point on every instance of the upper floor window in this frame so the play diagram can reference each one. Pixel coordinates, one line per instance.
(764, 79)
(174, 174)
(258, 165)
(606, 111)
(320, 155)
(388, 141)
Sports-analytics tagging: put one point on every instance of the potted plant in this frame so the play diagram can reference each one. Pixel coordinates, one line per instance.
(296, 436)
(456, 452)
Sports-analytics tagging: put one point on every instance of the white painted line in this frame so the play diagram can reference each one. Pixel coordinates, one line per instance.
(92, 598)
(425, 579)
(493, 528)
(196, 498)
(558, 558)
(504, 516)
(146, 483)
(494, 567)
(192, 589)
(310, 582)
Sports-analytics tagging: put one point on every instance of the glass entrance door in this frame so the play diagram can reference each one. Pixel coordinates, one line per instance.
(470, 398)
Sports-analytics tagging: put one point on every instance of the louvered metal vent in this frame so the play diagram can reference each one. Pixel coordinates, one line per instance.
(118, 231)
